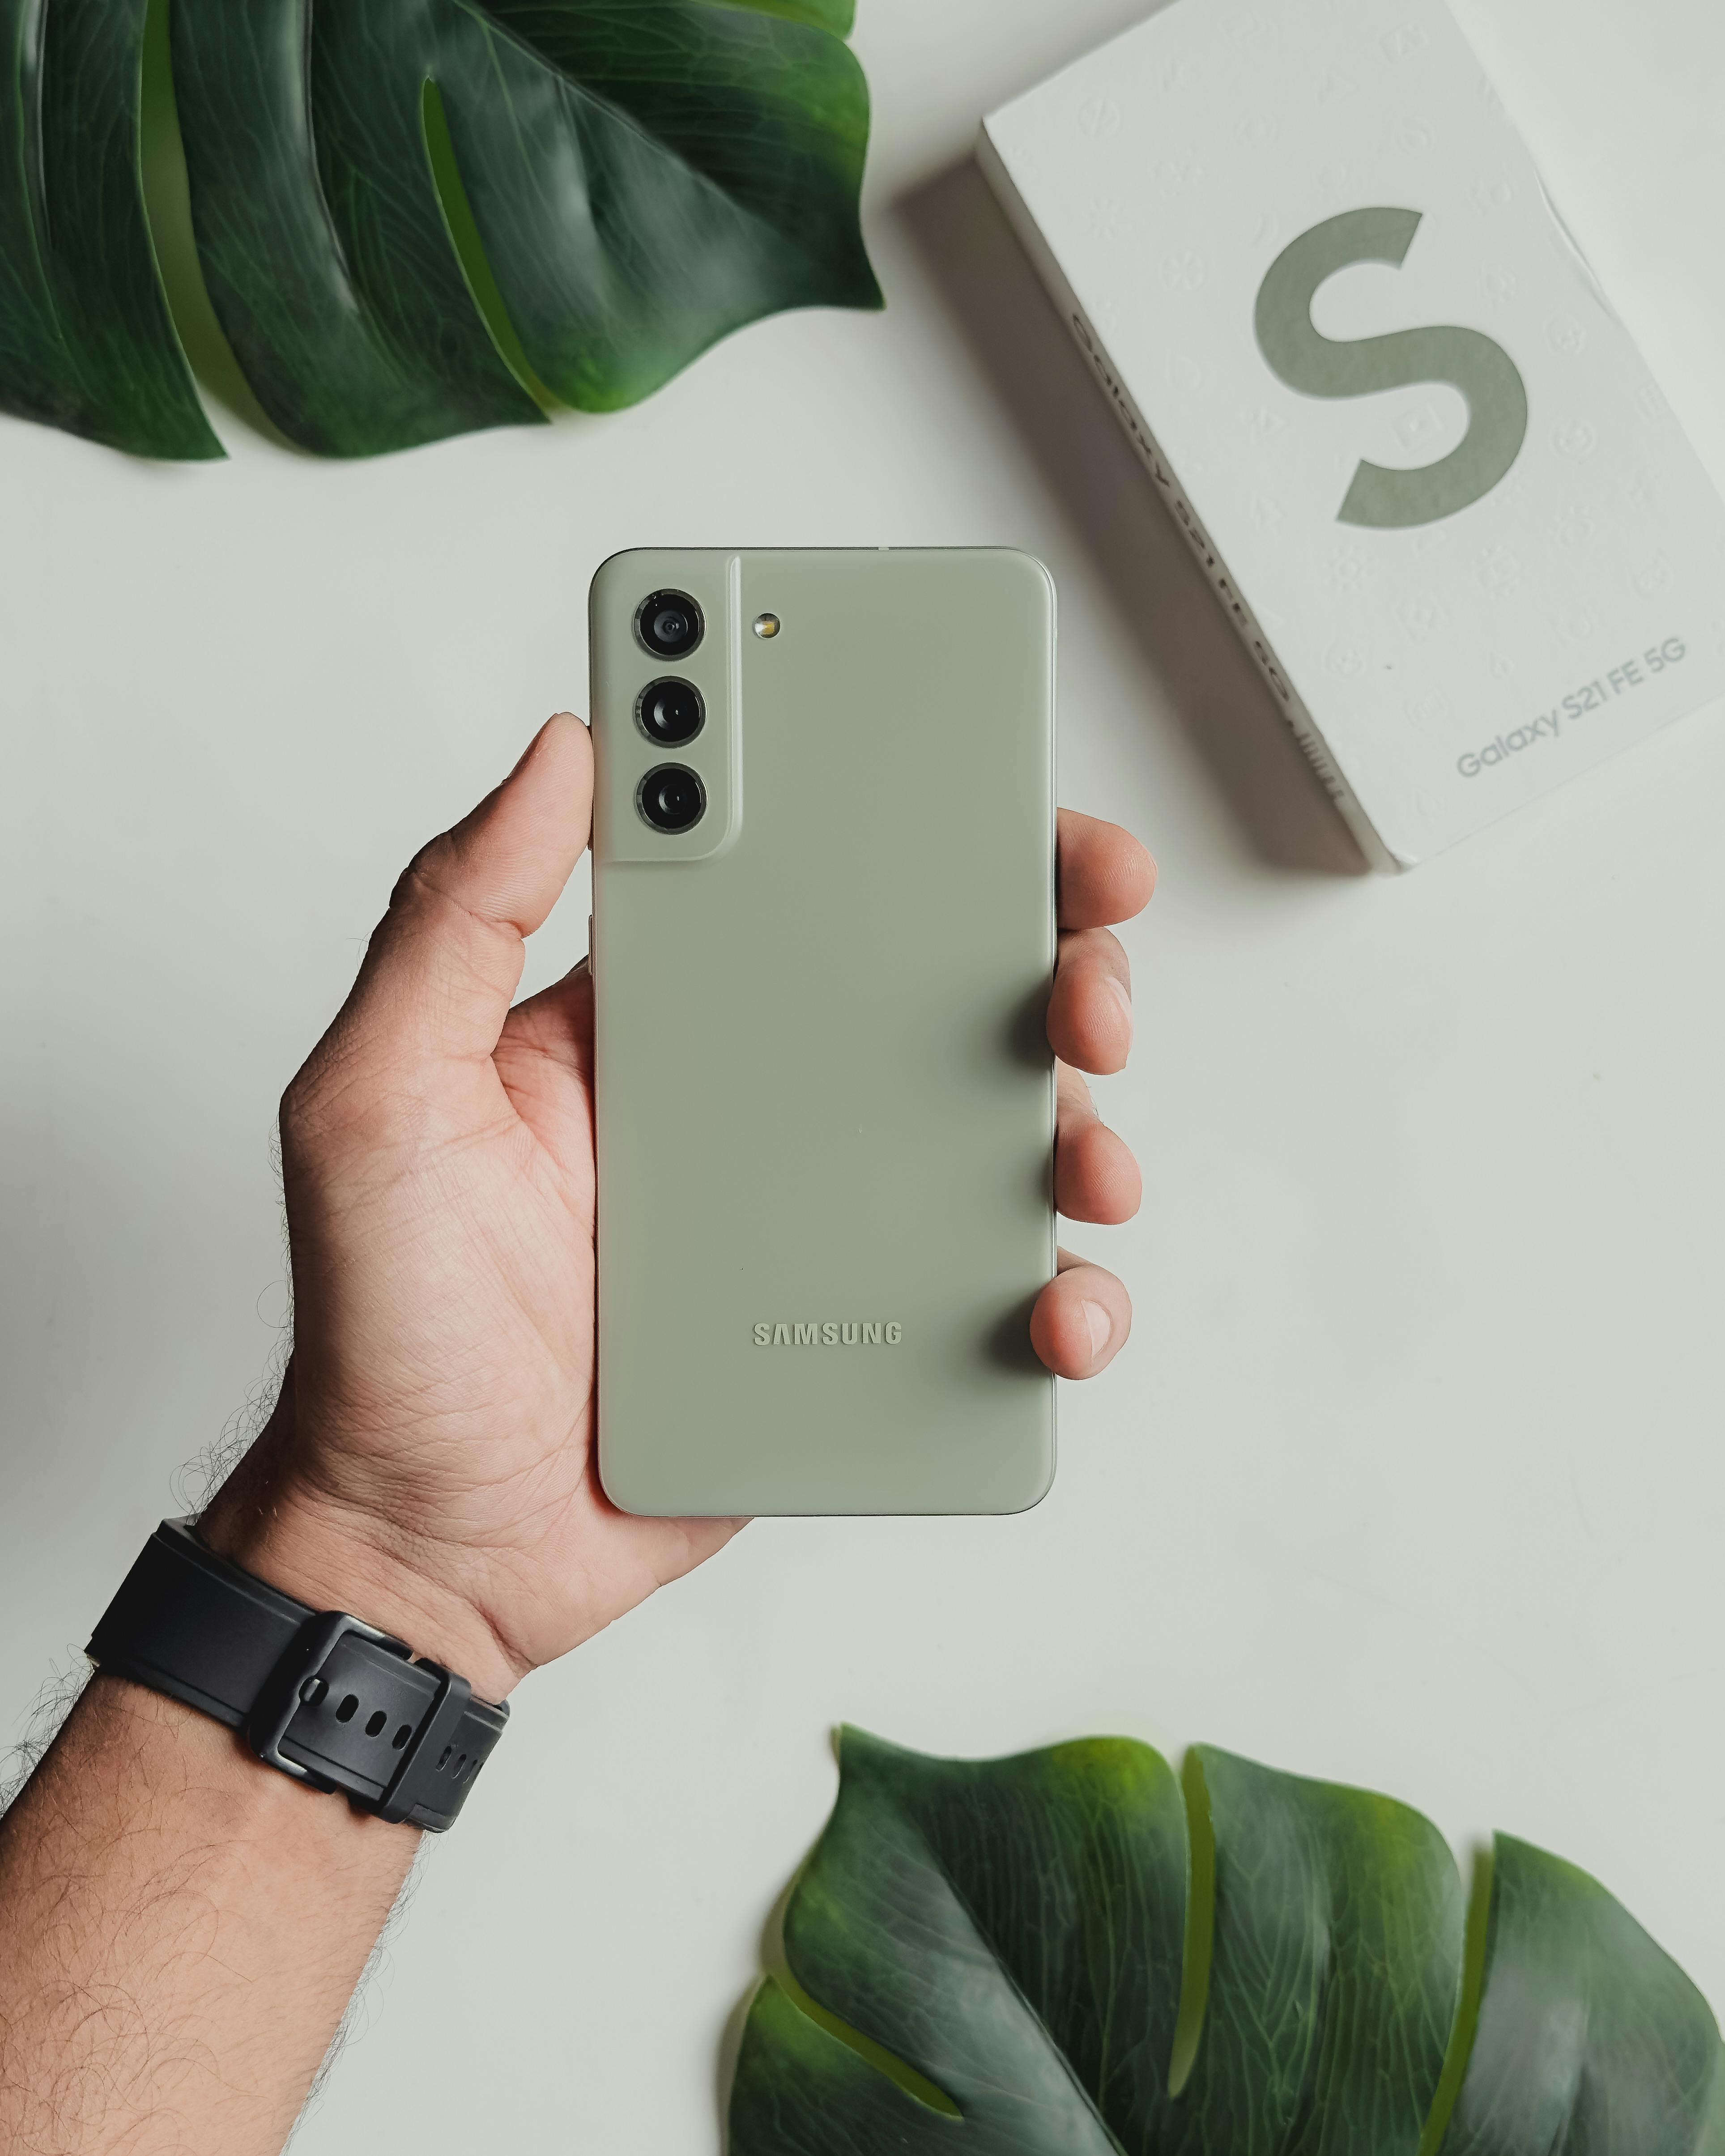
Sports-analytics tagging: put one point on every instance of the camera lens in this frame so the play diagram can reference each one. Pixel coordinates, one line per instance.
(670, 624)
(670, 711)
(672, 798)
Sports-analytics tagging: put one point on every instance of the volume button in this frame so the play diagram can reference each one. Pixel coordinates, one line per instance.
(589, 947)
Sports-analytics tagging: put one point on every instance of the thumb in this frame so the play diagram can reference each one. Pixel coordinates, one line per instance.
(443, 964)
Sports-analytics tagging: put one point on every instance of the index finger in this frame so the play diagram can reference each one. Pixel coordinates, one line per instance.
(1103, 874)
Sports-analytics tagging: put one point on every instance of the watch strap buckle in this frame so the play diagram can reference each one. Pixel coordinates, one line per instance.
(320, 1696)
(301, 1666)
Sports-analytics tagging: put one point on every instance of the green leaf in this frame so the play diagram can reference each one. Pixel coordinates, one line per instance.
(1335, 1970)
(86, 342)
(416, 216)
(1012, 1932)
(1590, 2038)
(1061, 1952)
(623, 182)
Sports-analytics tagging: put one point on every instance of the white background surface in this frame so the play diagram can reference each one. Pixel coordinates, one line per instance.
(1411, 1474)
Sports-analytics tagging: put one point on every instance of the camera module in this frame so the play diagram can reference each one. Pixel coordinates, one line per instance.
(671, 798)
(668, 623)
(670, 711)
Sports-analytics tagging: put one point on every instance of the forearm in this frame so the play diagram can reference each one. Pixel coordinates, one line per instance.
(180, 1930)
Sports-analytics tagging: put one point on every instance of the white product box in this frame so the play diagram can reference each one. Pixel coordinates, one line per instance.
(1429, 473)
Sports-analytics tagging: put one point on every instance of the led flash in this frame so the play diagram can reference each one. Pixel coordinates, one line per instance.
(766, 624)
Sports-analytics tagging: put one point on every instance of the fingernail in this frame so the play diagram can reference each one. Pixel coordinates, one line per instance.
(1101, 1328)
(1123, 997)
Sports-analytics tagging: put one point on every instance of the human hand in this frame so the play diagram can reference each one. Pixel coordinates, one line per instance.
(430, 1462)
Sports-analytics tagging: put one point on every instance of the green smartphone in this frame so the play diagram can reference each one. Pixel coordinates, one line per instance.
(823, 941)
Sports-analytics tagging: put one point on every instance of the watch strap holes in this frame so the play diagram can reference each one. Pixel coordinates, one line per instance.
(348, 1708)
(376, 1723)
(401, 1737)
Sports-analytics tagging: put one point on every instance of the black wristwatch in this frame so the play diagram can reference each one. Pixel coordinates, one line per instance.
(327, 1699)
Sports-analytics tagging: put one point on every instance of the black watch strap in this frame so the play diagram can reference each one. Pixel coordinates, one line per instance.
(326, 1698)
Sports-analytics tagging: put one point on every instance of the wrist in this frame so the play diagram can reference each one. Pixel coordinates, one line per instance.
(330, 1559)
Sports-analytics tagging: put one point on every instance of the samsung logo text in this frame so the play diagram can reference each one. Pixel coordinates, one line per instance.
(878, 1333)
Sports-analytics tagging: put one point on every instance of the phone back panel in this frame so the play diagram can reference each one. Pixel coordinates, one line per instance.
(824, 1097)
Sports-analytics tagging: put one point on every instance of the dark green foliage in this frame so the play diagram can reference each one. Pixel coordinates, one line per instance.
(1590, 2039)
(419, 217)
(85, 339)
(1007, 1958)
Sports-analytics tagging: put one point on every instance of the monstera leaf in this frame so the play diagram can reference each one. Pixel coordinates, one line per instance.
(418, 217)
(1073, 1953)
